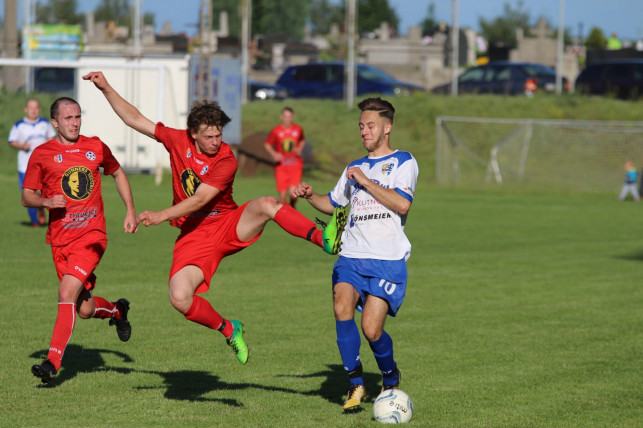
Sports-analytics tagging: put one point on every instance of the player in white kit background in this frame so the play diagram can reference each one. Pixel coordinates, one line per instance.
(371, 274)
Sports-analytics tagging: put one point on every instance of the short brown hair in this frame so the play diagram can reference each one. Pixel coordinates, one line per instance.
(55, 106)
(383, 107)
(207, 113)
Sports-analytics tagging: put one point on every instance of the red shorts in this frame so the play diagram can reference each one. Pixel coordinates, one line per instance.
(80, 257)
(288, 176)
(205, 247)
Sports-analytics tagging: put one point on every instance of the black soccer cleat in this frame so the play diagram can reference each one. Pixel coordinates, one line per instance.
(123, 327)
(396, 385)
(45, 371)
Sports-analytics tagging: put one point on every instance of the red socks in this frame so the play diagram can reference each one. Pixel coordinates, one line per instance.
(202, 312)
(63, 328)
(294, 222)
(106, 309)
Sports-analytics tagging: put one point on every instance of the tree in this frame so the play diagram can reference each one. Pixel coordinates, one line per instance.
(269, 17)
(502, 30)
(58, 12)
(287, 17)
(323, 14)
(430, 23)
(371, 14)
(596, 39)
(113, 10)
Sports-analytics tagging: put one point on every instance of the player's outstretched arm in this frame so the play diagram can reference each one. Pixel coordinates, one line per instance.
(204, 193)
(130, 225)
(319, 202)
(129, 114)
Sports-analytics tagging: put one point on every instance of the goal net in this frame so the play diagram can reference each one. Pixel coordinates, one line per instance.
(541, 154)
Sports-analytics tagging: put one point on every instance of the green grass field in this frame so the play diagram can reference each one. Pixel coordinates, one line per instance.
(523, 310)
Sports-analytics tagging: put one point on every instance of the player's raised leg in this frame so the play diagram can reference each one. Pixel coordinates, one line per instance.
(182, 289)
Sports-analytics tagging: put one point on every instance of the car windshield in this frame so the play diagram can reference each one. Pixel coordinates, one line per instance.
(371, 73)
(535, 70)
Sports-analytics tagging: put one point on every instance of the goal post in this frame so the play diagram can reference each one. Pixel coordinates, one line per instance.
(541, 154)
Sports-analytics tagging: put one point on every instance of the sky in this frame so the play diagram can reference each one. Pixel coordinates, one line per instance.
(624, 17)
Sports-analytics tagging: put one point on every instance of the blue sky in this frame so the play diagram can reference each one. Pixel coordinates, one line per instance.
(622, 16)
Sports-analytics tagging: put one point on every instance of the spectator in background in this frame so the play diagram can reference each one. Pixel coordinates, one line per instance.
(614, 43)
(285, 143)
(27, 134)
(630, 182)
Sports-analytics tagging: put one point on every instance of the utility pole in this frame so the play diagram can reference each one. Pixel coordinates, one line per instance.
(246, 12)
(349, 69)
(205, 32)
(559, 45)
(455, 44)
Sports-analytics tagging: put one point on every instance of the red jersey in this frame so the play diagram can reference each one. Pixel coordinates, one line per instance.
(190, 169)
(73, 171)
(285, 141)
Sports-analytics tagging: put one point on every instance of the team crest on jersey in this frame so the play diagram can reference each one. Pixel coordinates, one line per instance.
(204, 170)
(77, 183)
(90, 155)
(387, 168)
(189, 181)
(288, 145)
(58, 158)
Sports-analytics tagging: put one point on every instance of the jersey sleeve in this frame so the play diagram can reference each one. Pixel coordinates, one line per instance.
(272, 137)
(110, 164)
(33, 176)
(164, 135)
(406, 177)
(340, 195)
(13, 134)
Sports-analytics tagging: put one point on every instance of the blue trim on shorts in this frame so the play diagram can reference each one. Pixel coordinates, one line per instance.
(382, 278)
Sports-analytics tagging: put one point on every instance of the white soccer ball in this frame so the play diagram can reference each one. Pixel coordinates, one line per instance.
(393, 406)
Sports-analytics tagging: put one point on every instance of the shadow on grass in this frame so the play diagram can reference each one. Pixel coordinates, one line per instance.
(335, 384)
(82, 360)
(636, 256)
(189, 385)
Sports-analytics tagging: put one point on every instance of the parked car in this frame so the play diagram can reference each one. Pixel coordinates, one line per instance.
(326, 80)
(506, 78)
(622, 78)
(54, 80)
(265, 91)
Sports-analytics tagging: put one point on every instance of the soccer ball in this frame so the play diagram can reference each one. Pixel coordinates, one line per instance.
(393, 406)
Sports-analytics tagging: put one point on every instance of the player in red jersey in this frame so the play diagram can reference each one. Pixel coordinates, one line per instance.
(212, 225)
(285, 143)
(63, 176)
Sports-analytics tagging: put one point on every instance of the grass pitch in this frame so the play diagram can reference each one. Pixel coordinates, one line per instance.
(522, 310)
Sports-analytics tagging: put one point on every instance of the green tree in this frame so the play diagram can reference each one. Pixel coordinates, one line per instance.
(323, 14)
(58, 12)
(287, 17)
(113, 10)
(501, 31)
(596, 39)
(234, 17)
(371, 14)
(269, 17)
(430, 23)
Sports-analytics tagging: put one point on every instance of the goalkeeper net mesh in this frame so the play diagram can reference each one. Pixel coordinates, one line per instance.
(541, 154)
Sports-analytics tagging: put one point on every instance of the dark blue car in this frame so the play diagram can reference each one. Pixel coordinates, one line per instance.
(326, 80)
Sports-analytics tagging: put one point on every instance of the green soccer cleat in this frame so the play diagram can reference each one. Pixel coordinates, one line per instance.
(332, 233)
(237, 343)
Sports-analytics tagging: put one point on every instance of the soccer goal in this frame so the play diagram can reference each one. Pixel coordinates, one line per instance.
(543, 154)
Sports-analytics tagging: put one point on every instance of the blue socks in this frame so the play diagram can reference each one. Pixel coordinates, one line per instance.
(383, 351)
(348, 342)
